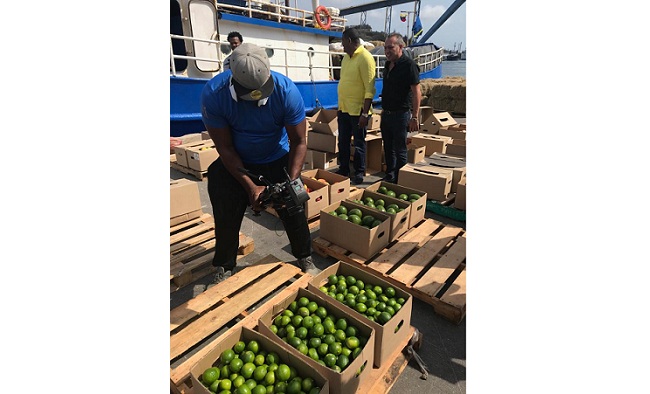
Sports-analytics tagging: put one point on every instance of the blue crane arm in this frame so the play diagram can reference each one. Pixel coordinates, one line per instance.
(443, 18)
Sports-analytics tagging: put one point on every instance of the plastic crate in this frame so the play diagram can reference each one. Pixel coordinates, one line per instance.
(443, 210)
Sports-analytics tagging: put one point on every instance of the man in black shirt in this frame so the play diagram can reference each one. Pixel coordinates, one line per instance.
(400, 102)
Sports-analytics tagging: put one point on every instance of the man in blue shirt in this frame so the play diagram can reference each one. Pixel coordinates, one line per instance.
(255, 117)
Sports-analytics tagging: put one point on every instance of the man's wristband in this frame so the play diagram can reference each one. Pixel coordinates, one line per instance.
(414, 118)
(364, 115)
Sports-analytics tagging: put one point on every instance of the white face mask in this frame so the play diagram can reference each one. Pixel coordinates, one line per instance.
(233, 94)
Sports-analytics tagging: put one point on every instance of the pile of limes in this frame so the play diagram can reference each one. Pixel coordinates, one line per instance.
(355, 216)
(248, 369)
(377, 303)
(314, 332)
(380, 205)
(413, 197)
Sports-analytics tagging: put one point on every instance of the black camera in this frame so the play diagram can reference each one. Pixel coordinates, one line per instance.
(289, 195)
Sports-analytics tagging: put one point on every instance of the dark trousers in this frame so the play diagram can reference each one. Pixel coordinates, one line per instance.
(348, 128)
(229, 200)
(394, 130)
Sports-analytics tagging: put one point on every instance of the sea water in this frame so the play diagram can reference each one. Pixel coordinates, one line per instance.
(453, 68)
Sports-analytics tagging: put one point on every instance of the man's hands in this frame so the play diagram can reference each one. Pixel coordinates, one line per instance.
(254, 197)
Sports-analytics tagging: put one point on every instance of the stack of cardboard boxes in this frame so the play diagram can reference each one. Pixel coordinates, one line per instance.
(196, 154)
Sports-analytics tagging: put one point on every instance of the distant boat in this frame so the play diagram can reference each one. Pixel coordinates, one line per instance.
(296, 43)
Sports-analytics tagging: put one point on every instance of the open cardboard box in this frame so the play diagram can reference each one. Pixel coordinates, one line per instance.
(387, 336)
(325, 121)
(454, 133)
(323, 160)
(457, 164)
(323, 142)
(435, 181)
(181, 151)
(339, 185)
(318, 197)
(418, 207)
(457, 147)
(399, 222)
(200, 157)
(347, 381)
(266, 343)
(365, 242)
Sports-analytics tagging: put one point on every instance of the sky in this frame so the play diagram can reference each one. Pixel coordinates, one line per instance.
(453, 31)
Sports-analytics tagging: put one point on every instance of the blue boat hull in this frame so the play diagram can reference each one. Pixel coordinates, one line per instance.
(185, 96)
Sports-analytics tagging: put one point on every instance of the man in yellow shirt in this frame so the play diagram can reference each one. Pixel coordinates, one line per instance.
(356, 90)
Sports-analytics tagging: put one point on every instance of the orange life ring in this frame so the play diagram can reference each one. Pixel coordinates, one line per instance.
(319, 10)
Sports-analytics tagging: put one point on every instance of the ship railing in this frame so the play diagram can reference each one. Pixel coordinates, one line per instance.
(274, 11)
(426, 61)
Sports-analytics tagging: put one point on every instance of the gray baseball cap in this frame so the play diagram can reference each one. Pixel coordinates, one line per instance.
(251, 72)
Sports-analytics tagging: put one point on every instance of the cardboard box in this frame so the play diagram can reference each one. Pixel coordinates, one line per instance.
(438, 121)
(339, 185)
(456, 164)
(325, 121)
(454, 133)
(323, 142)
(374, 153)
(318, 197)
(432, 143)
(308, 164)
(418, 207)
(436, 181)
(324, 160)
(386, 338)
(266, 343)
(457, 148)
(415, 153)
(199, 158)
(345, 382)
(374, 121)
(365, 242)
(205, 136)
(461, 194)
(425, 118)
(183, 197)
(181, 152)
(399, 222)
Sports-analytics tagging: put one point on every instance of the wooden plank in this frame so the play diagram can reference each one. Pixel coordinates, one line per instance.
(456, 294)
(193, 251)
(190, 232)
(203, 218)
(206, 300)
(381, 380)
(211, 321)
(415, 264)
(182, 371)
(404, 245)
(433, 280)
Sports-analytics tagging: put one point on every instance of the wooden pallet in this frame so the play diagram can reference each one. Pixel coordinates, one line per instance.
(200, 175)
(191, 246)
(196, 324)
(428, 261)
(204, 319)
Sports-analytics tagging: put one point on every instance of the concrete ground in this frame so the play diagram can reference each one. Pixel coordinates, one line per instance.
(444, 347)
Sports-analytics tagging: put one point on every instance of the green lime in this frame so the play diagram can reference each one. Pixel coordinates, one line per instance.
(225, 384)
(301, 332)
(391, 211)
(336, 348)
(259, 389)
(379, 202)
(317, 331)
(321, 312)
(344, 217)
(329, 339)
(346, 351)
(352, 342)
(360, 307)
(391, 193)
(214, 387)
(225, 371)
(283, 373)
(259, 359)
(342, 323)
(329, 325)
(356, 219)
(342, 288)
(333, 213)
(227, 356)
(375, 223)
(384, 317)
(260, 372)
(238, 381)
(247, 356)
(414, 196)
(355, 211)
(307, 384)
(210, 375)
(382, 189)
(323, 349)
(308, 322)
(367, 220)
(270, 389)
(243, 389)
(303, 301)
(343, 361)
(314, 342)
(313, 354)
(341, 210)
(235, 365)
(352, 331)
(380, 208)
(330, 360)
(316, 319)
(294, 342)
(356, 352)
(272, 358)
(368, 200)
(247, 370)
(239, 347)
(294, 387)
(360, 284)
(332, 279)
(281, 387)
(250, 383)
(340, 335)
(390, 291)
(312, 307)
(401, 301)
(269, 378)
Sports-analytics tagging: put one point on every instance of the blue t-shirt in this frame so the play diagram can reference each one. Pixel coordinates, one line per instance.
(258, 132)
